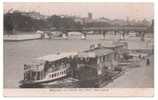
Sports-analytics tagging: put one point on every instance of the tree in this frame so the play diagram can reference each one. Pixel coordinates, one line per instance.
(54, 21)
(8, 23)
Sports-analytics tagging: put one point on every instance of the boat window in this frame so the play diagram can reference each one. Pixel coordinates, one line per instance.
(50, 76)
(53, 66)
(55, 75)
(63, 65)
(86, 59)
(103, 58)
(81, 58)
(58, 73)
(67, 65)
(25, 67)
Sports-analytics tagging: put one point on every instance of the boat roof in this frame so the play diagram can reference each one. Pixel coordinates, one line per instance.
(95, 52)
(113, 45)
(58, 56)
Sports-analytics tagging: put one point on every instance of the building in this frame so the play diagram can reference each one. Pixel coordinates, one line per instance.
(90, 16)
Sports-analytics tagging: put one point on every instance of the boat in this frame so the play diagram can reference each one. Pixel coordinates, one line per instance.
(47, 69)
(23, 37)
(94, 67)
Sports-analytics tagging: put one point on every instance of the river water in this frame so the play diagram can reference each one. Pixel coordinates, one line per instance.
(16, 54)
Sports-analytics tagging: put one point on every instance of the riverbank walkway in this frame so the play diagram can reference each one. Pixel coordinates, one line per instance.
(139, 77)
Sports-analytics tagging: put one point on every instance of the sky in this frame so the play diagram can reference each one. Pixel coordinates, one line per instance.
(108, 10)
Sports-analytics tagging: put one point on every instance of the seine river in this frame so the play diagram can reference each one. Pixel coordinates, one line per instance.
(16, 54)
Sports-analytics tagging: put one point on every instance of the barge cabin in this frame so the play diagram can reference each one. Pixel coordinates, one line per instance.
(93, 66)
(120, 50)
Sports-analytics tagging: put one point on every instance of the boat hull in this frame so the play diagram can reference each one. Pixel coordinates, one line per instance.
(26, 84)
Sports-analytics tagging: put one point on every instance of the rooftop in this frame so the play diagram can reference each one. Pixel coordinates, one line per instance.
(57, 56)
(113, 45)
(95, 53)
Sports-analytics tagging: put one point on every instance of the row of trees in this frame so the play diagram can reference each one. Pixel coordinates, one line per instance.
(20, 22)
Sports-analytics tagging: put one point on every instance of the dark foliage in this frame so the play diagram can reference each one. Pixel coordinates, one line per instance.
(8, 23)
(19, 22)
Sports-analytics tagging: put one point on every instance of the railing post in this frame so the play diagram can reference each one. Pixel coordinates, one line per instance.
(104, 34)
(84, 36)
(65, 34)
(123, 35)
